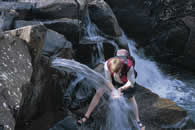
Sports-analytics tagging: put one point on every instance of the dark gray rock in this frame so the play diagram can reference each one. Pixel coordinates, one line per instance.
(6, 20)
(54, 42)
(16, 6)
(59, 9)
(135, 16)
(92, 52)
(67, 124)
(15, 74)
(189, 50)
(70, 28)
(101, 14)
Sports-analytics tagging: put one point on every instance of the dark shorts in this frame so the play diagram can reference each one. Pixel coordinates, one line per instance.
(130, 92)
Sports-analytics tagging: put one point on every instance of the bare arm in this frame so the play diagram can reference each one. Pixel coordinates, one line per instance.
(108, 80)
(131, 80)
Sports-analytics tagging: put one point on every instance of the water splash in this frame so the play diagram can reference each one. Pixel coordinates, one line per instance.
(118, 107)
(119, 114)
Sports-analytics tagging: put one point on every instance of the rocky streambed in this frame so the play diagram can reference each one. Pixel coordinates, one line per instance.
(35, 96)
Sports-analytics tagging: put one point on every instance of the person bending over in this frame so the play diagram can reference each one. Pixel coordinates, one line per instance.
(120, 73)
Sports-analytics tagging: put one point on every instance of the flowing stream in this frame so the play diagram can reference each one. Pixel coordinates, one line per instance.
(119, 115)
(149, 76)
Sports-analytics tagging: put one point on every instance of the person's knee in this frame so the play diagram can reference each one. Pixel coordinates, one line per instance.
(100, 92)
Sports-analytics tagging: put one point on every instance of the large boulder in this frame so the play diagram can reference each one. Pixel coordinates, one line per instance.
(20, 10)
(9, 11)
(54, 43)
(16, 6)
(28, 84)
(135, 16)
(139, 19)
(17, 70)
(169, 44)
(59, 9)
(158, 112)
(70, 28)
(101, 14)
(15, 74)
(93, 52)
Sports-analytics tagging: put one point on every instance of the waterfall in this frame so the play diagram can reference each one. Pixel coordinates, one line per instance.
(91, 34)
(117, 116)
(166, 86)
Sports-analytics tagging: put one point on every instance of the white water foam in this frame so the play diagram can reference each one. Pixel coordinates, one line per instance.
(166, 86)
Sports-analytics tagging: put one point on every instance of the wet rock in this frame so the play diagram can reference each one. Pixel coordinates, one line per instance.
(54, 42)
(86, 52)
(59, 9)
(157, 112)
(68, 124)
(70, 28)
(102, 15)
(92, 52)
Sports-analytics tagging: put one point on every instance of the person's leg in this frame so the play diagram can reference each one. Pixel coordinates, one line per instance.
(134, 108)
(93, 104)
(136, 112)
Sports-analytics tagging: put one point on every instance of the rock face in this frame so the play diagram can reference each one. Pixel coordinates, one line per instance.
(102, 15)
(11, 11)
(54, 42)
(16, 70)
(59, 9)
(15, 74)
(23, 94)
(157, 111)
(189, 53)
(70, 28)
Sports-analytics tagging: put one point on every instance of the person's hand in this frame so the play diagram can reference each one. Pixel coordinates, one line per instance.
(116, 93)
(119, 90)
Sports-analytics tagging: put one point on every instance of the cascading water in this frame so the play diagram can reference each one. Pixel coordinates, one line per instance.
(119, 114)
(117, 117)
(150, 76)
(165, 86)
